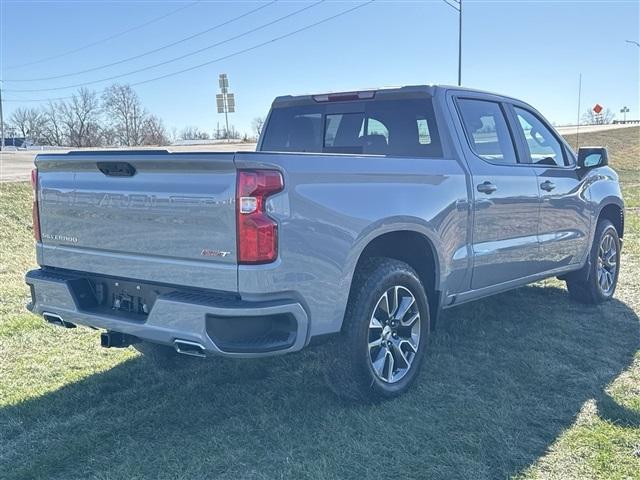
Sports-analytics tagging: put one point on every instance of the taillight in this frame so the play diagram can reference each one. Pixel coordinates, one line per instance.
(257, 231)
(34, 210)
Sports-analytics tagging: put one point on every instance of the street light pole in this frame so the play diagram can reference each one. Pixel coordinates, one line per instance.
(624, 110)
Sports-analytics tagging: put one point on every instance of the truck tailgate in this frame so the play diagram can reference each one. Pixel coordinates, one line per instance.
(147, 215)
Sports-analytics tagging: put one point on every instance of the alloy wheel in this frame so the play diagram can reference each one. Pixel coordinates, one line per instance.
(607, 264)
(394, 334)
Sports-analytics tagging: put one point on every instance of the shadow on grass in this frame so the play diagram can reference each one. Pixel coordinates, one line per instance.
(503, 378)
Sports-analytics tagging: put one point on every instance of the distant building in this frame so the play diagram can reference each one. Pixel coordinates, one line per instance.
(18, 142)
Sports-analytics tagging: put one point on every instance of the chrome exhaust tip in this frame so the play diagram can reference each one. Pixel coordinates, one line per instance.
(186, 347)
(56, 319)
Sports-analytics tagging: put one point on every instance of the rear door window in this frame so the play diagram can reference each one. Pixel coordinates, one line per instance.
(403, 127)
(487, 131)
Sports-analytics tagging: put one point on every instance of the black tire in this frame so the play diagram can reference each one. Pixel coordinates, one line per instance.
(584, 286)
(161, 356)
(349, 359)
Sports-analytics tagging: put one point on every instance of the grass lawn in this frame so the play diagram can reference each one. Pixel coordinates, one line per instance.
(527, 384)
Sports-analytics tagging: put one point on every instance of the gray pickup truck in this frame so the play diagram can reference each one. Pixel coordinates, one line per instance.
(358, 219)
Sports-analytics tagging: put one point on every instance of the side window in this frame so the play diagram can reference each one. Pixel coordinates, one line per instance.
(487, 130)
(544, 147)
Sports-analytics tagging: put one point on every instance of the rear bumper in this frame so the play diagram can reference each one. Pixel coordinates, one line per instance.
(177, 315)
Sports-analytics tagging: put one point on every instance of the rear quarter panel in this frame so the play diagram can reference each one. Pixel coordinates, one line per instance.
(334, 205)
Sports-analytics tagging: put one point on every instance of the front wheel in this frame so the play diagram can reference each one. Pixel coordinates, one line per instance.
(384, 336)
(598, 282)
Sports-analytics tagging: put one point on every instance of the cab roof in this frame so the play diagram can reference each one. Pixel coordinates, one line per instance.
(409, 91)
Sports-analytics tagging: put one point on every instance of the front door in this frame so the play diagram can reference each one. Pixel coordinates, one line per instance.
(506, 199)
(564, 225)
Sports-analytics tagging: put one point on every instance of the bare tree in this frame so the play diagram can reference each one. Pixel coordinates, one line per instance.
(154, 131)
(193, 133)
(126, 113)
(79, 122)
(592, 118)
(108, 136)
(53, 132)
(173, 135)
(228, 134)
(29, 123)
(80, 117)
(257, 125)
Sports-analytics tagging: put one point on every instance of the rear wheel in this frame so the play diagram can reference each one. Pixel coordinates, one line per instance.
(598, 282)
(385, 333)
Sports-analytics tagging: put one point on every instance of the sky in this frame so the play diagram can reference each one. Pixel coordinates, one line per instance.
(531, 50)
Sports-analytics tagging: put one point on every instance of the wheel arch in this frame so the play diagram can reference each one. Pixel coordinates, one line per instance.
(414, 248)
(614, 212)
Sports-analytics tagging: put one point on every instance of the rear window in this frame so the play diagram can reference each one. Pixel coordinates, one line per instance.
(380, 127)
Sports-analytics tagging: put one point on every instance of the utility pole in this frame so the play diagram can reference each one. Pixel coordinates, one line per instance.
(459, 43)
(225, 101)
(457, 6)
(1, 123)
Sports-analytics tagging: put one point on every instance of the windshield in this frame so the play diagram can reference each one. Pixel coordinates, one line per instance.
(381, 127)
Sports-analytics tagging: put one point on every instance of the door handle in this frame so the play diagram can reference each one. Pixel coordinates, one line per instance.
(487, 187)
(547, 186)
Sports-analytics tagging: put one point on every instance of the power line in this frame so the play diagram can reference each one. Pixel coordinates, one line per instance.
(35, 100)
(453, 4)
(106, 39)
(245, 50)
(149, 52)
(189, 54)
(254, 47)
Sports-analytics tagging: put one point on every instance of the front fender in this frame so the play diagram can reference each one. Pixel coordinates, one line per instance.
(603, 189)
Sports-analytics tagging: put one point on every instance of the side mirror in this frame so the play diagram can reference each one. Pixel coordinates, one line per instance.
(591, 157)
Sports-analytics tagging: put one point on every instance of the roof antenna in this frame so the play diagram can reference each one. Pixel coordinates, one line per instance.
(578, 123)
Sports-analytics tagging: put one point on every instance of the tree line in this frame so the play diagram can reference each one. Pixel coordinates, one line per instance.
(116, 117)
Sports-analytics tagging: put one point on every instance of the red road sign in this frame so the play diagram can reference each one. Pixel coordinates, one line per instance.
(597, 108)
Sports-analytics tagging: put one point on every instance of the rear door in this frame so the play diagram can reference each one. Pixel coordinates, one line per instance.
(564, 223)
(505, 195)
(154, 216)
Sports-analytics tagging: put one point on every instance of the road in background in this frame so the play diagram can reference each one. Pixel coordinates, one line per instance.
(16, 166)
(568, 129)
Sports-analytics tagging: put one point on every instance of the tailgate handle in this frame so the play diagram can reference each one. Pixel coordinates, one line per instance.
(117, 169)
